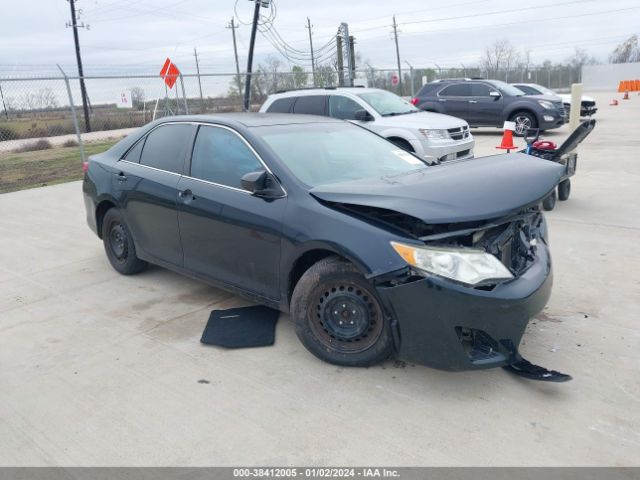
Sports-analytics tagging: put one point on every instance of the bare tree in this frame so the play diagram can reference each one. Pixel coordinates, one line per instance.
(137, 97)
(580, 58)
(501, 55)
(626, 52)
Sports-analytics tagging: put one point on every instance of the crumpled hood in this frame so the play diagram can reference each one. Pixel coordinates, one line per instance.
(477, 189)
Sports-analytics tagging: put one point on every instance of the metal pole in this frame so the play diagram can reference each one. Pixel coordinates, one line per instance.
(411, 74)
(352, 54)
(339, 57)
(73, 114)
(195, 53)
(395, 34)
(184, 95)
(345, 36)
(313, 63)
(233, 27)
(83, 90)
(4, 105)
(252, 42)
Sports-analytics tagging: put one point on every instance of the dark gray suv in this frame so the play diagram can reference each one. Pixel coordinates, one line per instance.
(489, 103)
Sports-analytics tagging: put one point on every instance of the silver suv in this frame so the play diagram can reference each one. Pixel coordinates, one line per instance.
(432, 136)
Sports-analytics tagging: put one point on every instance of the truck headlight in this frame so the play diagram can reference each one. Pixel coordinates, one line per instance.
(546, 104)
(464, 265)
(435, 134)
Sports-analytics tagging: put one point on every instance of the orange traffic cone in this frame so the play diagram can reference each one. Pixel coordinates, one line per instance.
(626, 96)
(614, 102)
(507, 141)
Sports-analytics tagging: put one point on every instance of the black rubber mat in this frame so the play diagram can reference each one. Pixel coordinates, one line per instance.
(241, 327)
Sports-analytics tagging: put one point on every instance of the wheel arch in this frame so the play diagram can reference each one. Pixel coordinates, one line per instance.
(401, 142)
(523, 109)
(102, 208)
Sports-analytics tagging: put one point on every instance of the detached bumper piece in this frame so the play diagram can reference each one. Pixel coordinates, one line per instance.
(526, 369)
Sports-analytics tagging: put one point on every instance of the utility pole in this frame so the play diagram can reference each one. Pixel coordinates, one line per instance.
(313, 63)
(395, 34)
(83, 90)
(195, 54)
(340, 57)
(252, 41)
(233, 27)
(352, 55)
(345, 35)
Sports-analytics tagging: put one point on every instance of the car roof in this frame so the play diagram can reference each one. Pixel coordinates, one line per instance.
(251, 119)
(325, 91)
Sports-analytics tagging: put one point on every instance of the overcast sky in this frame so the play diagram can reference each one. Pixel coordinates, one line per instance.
(139, 34)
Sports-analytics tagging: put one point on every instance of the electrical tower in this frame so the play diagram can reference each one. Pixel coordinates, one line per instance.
(83, 91)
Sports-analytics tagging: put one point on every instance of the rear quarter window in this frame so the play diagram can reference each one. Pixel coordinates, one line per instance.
(281, 105)
(311, 105)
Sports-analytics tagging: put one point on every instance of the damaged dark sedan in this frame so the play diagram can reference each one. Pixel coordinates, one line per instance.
(373, 252)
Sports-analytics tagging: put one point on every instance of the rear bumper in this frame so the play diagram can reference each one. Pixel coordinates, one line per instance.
(434, 318)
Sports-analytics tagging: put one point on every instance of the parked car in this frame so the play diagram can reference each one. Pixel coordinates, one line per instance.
(587, 104)
(434, 137)
(488, 103)
(372, 251)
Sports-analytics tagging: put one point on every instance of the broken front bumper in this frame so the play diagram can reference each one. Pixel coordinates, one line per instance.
(452, 327)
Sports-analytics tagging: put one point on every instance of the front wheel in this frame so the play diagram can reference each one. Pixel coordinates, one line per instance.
(119, 245)
(549, 202)
(523, 121)
(338, 316)
(564, 190)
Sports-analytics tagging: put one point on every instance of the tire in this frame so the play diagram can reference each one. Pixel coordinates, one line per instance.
(550, 201)
(403, 144)
(564, 190)
(338, 316)
(523, 121)
(119, 245)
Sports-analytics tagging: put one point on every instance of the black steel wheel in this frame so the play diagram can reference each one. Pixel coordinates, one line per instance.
(119, 245)
(549, 202)
(338, 316)
(564, 190)
(523, 121)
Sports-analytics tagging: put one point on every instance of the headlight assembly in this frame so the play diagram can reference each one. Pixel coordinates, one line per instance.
(435, 134)
(546, 105)
(464, 265)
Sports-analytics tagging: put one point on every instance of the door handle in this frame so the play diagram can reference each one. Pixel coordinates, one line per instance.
(473, 101)
(122, 177)
(186, 195)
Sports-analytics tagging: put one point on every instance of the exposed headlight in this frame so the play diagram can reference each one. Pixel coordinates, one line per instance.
(435, 134)
(463, 265)
(546, 104)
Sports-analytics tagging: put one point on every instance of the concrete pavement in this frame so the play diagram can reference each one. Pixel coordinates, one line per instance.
(101, 369)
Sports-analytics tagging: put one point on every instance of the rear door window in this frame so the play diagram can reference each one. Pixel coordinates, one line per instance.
(343, 107)
(133, 155)
(281, 105)
(166, 146)
(311, 105)
(456, 90)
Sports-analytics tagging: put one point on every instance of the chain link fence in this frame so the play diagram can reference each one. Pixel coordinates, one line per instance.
(36, 108)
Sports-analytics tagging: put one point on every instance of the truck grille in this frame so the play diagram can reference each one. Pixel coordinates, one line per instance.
(588, 103)
(459, 133)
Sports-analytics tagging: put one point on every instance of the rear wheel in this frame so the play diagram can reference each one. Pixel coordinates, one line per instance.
(118, 244)
(523, 121)
(550, 202)
(338, 316)
(564, 190)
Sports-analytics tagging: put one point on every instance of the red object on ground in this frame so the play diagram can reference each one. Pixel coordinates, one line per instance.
(614, 102)
(544, 145)
(507, 141)
(626, 96)
(169, 73)
(85, 167)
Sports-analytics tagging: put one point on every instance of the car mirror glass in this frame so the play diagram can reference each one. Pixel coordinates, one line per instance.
(362, 116)
(494, 94)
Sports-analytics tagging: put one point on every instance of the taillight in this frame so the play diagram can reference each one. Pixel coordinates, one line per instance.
(85, 167)
(414, 101)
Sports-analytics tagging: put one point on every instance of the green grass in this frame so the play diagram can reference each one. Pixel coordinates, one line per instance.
(19, 171)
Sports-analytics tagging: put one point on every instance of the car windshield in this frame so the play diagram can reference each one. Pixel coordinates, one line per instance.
(544, 90)
(323, 153)
(387, 104)
(507, 89)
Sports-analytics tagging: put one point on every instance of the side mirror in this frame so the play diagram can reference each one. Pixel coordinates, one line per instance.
(261, 184)
(362, 116)
(494, 94)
